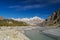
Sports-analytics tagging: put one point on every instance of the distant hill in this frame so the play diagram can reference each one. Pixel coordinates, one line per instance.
(10, 22)
(53, 20)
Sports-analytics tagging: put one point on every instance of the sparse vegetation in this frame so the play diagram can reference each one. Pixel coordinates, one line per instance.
(51, 24)
(10, 22)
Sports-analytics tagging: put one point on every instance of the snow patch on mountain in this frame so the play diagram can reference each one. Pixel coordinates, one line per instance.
(33, 21)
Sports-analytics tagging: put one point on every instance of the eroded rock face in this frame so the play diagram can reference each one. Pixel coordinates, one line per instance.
(8, 34)
(1, 18)
(52, 20)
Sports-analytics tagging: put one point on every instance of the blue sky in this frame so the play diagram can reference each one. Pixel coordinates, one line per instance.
(28, 8)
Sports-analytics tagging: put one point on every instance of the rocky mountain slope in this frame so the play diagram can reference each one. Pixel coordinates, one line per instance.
(53, 20)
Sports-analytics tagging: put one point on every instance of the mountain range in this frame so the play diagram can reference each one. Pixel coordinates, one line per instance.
(52, 20)
(32, 21)
(21, 21)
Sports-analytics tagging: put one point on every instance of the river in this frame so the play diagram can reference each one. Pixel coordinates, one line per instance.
(36, 35)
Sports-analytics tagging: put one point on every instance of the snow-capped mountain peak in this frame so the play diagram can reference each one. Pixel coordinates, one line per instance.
(34, 20)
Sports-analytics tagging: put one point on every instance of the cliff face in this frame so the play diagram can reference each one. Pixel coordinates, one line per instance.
(1, 18)
(53, 20)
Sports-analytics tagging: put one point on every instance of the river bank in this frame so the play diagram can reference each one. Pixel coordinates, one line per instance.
(54, 33)
(11, 34)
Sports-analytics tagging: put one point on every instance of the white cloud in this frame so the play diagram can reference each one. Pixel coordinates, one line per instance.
(26, 7)
(30, 4)
(54, 1)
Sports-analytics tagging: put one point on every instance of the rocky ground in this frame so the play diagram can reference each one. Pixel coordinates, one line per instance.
(11, 34)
